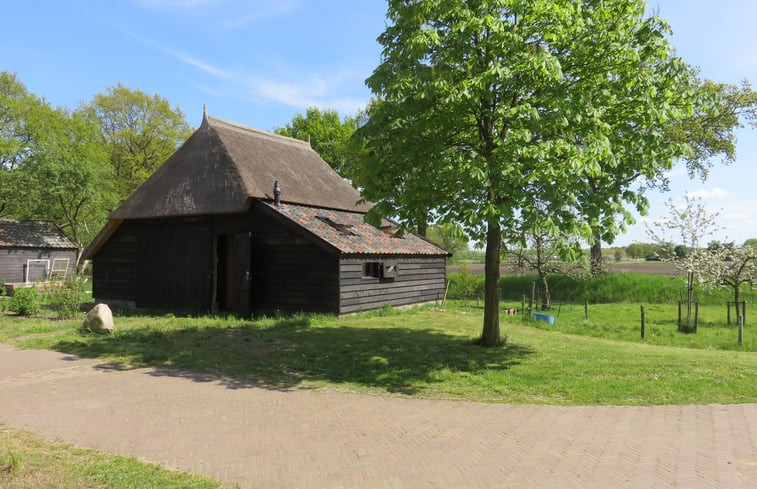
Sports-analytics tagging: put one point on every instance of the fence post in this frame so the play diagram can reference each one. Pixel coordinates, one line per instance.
(643, 322)
(523, 305)
(586, 310)
(680, 304)
(531, 298)
(696, 316)
(741, 329)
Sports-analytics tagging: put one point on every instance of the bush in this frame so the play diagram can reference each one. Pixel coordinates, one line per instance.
(66, 299)
(25, 301)
(464, 285)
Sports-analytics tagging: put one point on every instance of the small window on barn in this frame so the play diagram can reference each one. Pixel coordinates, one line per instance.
(372, 269)
(345, 229)
(377, 269)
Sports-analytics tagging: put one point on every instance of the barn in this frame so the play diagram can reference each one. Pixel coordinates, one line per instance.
(247, 222)
(34, 251)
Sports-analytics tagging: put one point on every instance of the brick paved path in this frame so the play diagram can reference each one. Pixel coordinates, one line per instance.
(257, 437)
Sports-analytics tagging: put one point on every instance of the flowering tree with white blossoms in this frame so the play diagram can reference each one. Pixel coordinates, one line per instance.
(693, 224)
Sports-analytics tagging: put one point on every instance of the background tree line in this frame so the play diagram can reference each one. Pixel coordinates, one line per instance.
(74, 167)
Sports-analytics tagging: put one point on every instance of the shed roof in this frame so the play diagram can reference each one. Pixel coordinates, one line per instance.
(33, 234)
(349, 234)
(224, 164)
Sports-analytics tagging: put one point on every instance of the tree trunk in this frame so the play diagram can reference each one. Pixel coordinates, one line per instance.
(596, 264)
(422, 228)
(491, 335)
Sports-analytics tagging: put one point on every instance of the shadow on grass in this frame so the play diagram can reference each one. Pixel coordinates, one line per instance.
(290, 352)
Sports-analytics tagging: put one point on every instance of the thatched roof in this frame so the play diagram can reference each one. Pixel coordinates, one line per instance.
(33, 234)
(223, 165)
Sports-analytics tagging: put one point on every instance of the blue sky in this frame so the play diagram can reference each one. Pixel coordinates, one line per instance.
(259, 62)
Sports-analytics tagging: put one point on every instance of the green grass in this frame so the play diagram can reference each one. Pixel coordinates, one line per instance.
(623, 322)
(605, 288)
(26, 462)
(421, 353)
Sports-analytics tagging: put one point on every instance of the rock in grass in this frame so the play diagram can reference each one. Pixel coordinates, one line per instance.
(99, 320)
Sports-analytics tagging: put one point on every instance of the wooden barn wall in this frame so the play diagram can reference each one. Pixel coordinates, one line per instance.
(114, 268)
(418, 279)
(290, 272)
(170, 264)
(13, 261)
(174, 268)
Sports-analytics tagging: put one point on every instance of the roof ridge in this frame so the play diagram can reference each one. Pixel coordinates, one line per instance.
(259, 132)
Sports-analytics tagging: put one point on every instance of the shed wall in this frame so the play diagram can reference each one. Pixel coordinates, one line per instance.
(170, 264)
(13, 261)
(419, 279)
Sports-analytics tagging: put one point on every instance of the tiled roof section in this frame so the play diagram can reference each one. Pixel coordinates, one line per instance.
(33, 234)
(347, 232)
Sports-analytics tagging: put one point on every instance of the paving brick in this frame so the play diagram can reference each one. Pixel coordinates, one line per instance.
(266, 438)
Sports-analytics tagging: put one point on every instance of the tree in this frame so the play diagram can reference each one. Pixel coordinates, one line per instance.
(69, 180)
(693, 224)
(139, 132)
(539, 251)
(490, 107)
(730, 267)
(708, 132)
(327, 133)
(448, 236)
(52, 166)
(22, 117)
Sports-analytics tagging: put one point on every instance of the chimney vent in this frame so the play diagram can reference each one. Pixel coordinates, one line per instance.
(277, 193)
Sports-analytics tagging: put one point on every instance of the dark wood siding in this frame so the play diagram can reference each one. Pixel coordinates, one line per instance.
(114, 268)
(13, 261)
(169, 264)
(174, 266)
(418, 279)
(290, 272)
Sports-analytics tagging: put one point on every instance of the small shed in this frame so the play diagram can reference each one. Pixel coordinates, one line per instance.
(34, 251)
(250, 222)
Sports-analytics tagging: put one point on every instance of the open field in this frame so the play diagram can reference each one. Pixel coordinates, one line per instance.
(648, 267)
(426, 353)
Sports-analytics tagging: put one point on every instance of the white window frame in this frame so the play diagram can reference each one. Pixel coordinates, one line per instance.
(28, 269)
(55, 269)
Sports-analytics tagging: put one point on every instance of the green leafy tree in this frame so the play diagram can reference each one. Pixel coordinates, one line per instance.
(487, 108)
(53, 166)
(327, 133)
(23, 117)
(449, 236)
(708, 131)
(138, 131)
(70, 179)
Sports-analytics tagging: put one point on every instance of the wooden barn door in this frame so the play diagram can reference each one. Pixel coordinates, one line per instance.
(242, 267)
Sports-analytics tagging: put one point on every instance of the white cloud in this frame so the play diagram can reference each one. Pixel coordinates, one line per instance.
(292, 88)
(714, 193)
(207, 68)
(309, 91)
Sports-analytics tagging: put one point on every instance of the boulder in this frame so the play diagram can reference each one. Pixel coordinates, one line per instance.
(99, 319)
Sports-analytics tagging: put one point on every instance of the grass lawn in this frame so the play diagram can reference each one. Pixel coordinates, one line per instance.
(622, 321)
(424, 353)
(26, 462)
